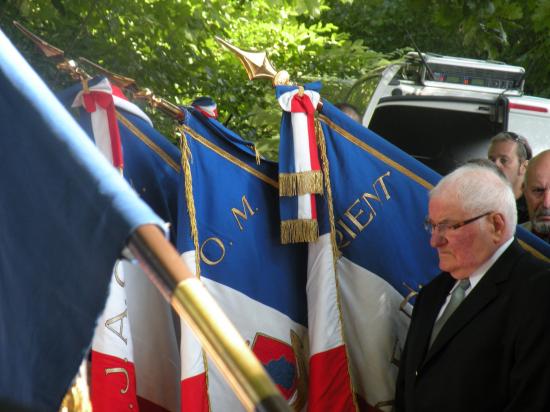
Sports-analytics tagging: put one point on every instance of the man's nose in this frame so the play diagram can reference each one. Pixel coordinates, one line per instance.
(546, 198)
(436, 240)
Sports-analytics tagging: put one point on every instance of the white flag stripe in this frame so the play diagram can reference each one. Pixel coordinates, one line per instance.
(304, 206)
(259, 318)
(373, 326)
(113, 335)
(300, 141)
(156, 353)
(323, 319)
(102, 135)
(192, 363)
(131, 108)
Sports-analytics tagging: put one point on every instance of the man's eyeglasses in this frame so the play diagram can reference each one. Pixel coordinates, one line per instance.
(521, 141)
(442, 227)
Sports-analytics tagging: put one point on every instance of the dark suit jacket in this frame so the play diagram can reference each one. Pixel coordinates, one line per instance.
(493, 354)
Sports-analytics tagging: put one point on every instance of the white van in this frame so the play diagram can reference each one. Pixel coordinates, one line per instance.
(444, 110)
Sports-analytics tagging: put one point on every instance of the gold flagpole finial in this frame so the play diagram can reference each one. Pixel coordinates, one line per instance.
(257, 65)
(119, 80)
(52, 52)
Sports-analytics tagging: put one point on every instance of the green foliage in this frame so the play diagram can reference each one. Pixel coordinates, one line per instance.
(168, 46)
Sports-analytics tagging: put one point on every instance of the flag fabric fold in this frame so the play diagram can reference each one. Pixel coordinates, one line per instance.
(228, 231)
(66, 215)
(134, 353)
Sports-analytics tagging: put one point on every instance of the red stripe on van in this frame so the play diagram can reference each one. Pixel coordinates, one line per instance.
(527, 107)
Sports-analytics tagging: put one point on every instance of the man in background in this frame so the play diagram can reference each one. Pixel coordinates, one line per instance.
(350, 110)
(511, 153)
(537, 195)
(479, 338)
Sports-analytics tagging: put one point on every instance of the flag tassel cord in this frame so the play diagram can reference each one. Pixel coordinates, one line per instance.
(195, 305)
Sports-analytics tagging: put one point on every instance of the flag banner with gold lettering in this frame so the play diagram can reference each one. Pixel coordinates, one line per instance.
(379, 198)
(134, 351)
(300, 176)
(327, 391)
(66, 214)
(228, 230)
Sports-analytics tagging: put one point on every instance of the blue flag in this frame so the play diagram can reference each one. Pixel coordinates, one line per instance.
(66, 215)
(379, 196)
(228, 229)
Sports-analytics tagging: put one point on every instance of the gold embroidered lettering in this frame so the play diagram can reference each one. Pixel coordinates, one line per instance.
(120, 331)
(346, 228)
(116, 271)
(380, 180)
(212, 261)
(340, 240)
(124, 372)
(353, 217)
(237, 213)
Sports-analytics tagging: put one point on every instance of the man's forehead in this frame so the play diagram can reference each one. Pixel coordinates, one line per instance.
(539, 173)
(503, 146)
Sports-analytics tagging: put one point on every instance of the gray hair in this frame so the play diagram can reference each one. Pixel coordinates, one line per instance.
(480, 189)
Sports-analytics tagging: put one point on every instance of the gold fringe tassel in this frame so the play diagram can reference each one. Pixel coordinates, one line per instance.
(258, 155)
(299, 230)
(301, 183)
(77, 399)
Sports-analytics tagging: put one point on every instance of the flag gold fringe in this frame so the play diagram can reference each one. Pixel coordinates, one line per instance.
(77, 399)
(299, 230)
(336, 253)
(301, 183)
(186, 158)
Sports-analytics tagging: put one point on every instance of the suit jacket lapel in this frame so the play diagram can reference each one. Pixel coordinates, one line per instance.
(431, 304)
(482, 295)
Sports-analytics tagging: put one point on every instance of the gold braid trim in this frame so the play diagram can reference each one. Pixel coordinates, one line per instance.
(335, 252)
(186, 166)
(299, 230)
(325, 167)
(301, 183)
(186, 157)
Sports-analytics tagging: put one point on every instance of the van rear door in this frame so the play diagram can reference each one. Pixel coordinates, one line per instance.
(530, 117)
(440, 131)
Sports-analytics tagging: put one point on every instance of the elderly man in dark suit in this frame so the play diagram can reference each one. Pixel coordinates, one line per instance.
(479, 338)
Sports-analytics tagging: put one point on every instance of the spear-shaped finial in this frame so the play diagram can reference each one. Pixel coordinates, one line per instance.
(58, 55)
(257, 65)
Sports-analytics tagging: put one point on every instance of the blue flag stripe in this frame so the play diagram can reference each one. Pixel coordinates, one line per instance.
(377, 154)
(230, 157)
(164, 156)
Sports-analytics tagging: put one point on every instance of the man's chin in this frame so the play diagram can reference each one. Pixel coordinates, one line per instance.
(542, 227)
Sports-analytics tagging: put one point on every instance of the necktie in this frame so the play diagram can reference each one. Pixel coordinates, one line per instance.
(457, 297)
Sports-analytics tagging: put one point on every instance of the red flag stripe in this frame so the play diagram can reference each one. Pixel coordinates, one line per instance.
(329, 383)
(194, 396)
(113, 384)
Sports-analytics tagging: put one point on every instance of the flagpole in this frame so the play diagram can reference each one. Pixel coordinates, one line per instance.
(195, 305)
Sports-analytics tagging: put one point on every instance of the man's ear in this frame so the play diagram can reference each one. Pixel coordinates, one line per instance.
(523, 168)
(498, 226)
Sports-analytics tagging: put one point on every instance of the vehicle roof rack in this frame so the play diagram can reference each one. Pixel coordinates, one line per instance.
(462, 73)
